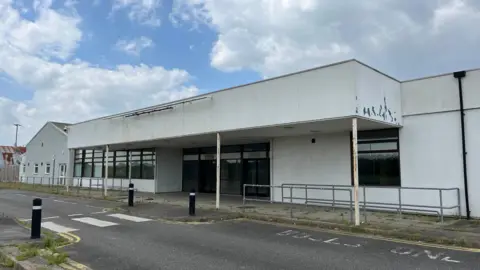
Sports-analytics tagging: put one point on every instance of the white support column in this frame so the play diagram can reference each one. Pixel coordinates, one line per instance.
(355, 170)
(218, 172)
(107, 150)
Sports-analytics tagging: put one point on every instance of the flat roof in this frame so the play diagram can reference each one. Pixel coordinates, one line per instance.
(252, 83)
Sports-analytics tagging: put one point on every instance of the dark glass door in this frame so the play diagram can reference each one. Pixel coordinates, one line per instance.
(257, 172)
(208, 176)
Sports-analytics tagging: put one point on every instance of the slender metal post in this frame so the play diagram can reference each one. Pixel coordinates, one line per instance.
(333, 197)
(16, 133)
(400, 202)
(130, 194)
(351, 210)
(129, 167)
(355, 170)
(191, 203)
(243, 194)
(441, 205)
(36, 219)
(291, 204)
(459, 204)
(217, 201)
(106, 171)
(365, 203)
(306, 196)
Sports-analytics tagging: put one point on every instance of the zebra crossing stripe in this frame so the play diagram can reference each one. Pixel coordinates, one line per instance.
(129, 218)
(95, 222)
(57, 228)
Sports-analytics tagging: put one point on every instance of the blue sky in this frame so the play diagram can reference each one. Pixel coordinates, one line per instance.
(73, 60)
(175, 47)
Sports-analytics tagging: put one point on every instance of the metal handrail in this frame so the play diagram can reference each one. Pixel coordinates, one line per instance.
(377, 205)
(291, 188)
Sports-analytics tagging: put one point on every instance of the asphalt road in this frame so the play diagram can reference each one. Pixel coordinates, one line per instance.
(127, 242)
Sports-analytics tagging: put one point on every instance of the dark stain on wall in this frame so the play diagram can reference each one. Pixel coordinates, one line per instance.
(383, 111)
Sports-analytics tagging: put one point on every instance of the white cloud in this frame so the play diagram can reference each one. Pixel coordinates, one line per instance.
(408, 38)
(51, 35)
(72, 90)
(134, 46)
(141, 11)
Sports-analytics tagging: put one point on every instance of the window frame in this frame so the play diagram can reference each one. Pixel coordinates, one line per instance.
(393, 135)
(35, 168)
(47, 166)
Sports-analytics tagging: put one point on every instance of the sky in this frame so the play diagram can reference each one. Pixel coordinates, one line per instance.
(69, 61)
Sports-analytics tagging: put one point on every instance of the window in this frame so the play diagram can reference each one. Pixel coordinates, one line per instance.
(148, 164)
(91, 163)
(136, 161)
(121, 165)
(35, 168)
(77, 168)
(98, 163)
(378, 158)
(47, 168)
(24, 167)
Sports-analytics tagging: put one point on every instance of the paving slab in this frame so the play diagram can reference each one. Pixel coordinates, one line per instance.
(11, 232)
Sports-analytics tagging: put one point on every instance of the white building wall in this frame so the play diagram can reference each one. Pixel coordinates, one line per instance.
(430, 140)
(48, 142)
(322, 93)
(431, 157)
(169, 169)
(378, 96)
(472, 134)
(296, 160)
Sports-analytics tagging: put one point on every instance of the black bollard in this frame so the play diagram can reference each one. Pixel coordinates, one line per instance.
(36, 218)
(130, 194)
(191, 203)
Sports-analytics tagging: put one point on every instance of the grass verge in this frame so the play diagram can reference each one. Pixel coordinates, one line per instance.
(48, 249)
(6, 262)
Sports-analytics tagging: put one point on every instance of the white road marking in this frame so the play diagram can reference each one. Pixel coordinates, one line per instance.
(60, 201)
(50, 217)
(95, 213)
(95, 222)
(130, 218)
(421, 253)
(21, 195)
(29, 219)
(57, 228)
(75, 215)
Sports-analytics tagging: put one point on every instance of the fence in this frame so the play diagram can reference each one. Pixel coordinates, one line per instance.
(9, 173)
(340, 196)
(92, 187)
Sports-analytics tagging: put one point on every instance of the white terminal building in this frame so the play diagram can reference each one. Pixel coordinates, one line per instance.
(300, 129)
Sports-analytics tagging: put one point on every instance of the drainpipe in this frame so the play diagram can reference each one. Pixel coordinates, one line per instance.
(459, 75)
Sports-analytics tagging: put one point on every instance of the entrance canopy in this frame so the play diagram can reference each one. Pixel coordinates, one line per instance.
(262, 134)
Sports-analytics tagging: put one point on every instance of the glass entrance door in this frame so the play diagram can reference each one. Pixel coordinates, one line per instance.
(257, 172)
(208, 175)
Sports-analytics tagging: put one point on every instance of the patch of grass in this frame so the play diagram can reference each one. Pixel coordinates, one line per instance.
(6, 262)
(27, 251)
(56, 258)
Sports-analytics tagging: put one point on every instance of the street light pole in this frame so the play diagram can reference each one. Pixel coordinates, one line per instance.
(16, 133)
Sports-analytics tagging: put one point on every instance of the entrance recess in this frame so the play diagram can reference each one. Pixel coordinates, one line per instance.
(208, 176)
(256, 172)
(240, 164)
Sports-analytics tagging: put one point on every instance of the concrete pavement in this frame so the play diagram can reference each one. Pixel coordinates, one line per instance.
(125, 241)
